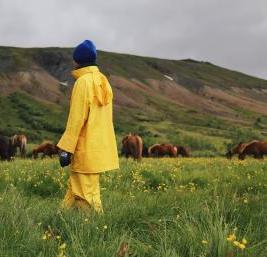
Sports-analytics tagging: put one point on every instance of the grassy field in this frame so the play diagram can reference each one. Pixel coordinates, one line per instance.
(208, 207)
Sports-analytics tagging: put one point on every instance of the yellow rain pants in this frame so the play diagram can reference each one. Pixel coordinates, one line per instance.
(83, 192)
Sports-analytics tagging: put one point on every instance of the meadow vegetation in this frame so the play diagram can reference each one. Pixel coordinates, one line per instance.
(208, 207)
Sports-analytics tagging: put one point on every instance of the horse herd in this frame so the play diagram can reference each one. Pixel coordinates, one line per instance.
(9, 146)
(132, 146)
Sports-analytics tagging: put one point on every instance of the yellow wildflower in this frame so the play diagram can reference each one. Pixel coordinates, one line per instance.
(231, 237)
(244, 241)
(204, 242)
(236, 243)
(63, 246)
(241, 246)
(44, 237)
(61, 254)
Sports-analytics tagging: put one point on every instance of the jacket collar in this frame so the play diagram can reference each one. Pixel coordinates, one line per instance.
(82, 71)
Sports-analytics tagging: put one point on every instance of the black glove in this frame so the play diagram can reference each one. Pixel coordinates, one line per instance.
(64, 158)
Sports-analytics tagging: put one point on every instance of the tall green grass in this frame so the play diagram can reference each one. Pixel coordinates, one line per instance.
(159, 207)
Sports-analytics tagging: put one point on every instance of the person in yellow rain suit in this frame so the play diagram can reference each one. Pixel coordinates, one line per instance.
(88, 142)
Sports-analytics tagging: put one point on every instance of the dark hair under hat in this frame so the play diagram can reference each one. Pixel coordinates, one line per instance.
(85, 53)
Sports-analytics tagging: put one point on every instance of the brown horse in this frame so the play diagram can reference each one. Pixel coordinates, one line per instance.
(6, 149)
(20, 141)
(132, 145)
(238, 149)
(46, 148)
(183, 151)
(257, 149)
(161, 150)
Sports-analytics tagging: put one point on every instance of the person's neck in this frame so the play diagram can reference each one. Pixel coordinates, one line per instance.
(86, 65)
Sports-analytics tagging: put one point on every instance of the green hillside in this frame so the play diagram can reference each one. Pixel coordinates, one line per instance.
(190, 73)
(22, 114)
(188, 102)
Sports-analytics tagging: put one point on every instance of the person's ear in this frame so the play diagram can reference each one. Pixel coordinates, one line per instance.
(75, 65)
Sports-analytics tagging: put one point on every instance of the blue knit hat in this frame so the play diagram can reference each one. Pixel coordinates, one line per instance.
(85, 53)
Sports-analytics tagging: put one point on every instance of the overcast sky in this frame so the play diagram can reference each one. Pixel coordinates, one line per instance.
(230, 33)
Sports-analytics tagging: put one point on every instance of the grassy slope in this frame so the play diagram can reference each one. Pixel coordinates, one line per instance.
(190, 73)
(162, 122)
(183, 201)
(199, 131)
(22, 114)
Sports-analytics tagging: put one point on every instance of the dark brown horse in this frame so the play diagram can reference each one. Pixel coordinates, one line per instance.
(132, 145)
(6, 149)
(256, 149)
(183, 151)
(161, 150)
(20, 141)
(238, 149)
(47, 148)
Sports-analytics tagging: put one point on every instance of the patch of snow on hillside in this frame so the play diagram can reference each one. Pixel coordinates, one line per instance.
(168, 77)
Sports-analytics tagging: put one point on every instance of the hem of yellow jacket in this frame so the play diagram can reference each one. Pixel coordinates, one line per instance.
(95, 172)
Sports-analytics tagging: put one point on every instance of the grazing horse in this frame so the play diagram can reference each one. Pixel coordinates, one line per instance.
(20, 141)
(6, 149)
(46, 148)
(238, 149)
(181, 150)
(132, 145)
(257, 149)
(161, 150)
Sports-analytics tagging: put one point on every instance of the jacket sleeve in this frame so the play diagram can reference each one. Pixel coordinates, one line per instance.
(78, 114)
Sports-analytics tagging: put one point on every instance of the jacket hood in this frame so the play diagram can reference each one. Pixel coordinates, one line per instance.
(101, 87)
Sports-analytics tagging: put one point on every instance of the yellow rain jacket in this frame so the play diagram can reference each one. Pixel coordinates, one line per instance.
(89, 133)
